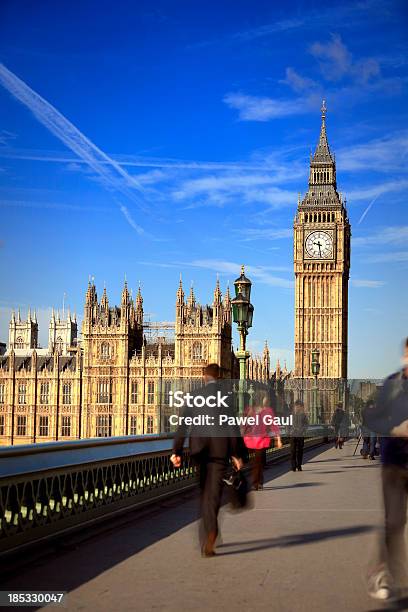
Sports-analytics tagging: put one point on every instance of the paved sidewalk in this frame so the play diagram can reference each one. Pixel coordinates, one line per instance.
(304, 546)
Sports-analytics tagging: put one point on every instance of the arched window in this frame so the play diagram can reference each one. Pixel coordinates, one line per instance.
(19, 343)
(59, 344)
(104, 392)
(197, 351)
(105, 350)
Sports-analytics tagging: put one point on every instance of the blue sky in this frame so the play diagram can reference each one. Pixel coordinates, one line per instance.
(154, 138)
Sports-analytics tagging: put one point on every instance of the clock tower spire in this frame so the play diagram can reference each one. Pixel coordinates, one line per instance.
(321, 265)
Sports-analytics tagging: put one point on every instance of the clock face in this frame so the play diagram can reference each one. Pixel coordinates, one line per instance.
(319, 245)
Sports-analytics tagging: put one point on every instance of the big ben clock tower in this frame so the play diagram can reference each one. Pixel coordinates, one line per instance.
(322, 264)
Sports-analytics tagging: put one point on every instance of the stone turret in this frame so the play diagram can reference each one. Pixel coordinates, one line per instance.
(202, 332)
(139, 307)
(227, 308)
(191, 301)
(104, 300)
(62, 333)
(23, 334)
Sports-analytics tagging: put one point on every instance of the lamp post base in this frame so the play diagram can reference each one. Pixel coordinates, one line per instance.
(242, 357)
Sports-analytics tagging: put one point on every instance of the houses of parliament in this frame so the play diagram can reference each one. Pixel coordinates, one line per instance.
(116, 379)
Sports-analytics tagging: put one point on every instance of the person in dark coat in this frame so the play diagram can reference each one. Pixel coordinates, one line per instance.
(369, 437)
(211, 448)
(297, 433)
(389, 418)
(338, 423)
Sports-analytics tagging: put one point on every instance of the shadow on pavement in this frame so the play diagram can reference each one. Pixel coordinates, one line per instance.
(362, 466)
(331, 472)
(294, 540)
(294, 486)
(329, 460)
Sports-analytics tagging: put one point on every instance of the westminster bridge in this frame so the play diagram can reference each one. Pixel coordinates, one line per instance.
(113, 525)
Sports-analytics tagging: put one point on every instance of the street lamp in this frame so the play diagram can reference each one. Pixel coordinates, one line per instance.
(315, 372)
(242, 312)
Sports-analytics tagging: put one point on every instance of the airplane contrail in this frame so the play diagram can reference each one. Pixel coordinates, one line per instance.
(115, 178)
(367, 209)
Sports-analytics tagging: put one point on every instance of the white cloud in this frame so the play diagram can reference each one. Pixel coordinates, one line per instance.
(225, 189)
(367, 284)
(297, 82)
(268, 29)
(382, 154)
(336, 62)
(6, 137)
(260, 273)
(367, 193)
(348, 14)
(263, 233)
(254, 108)
(394, 257)
(394, 235)
(335, 59)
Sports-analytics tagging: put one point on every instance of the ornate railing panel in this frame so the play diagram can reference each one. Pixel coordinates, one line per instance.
(49, 489)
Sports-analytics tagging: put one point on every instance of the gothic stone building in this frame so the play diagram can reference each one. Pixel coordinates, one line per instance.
(321, 264)
(116, 381)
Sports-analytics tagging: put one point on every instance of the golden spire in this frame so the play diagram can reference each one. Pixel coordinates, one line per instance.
(322, 153)
(180, 292)
(217, 292)
(139, 298)
(191, 298)
(324, 111)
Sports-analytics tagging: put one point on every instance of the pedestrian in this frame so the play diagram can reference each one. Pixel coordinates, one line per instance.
(387, 578)
(257, 437)
(369, 437)
(338, 422)
(297, 432)
(211, 449)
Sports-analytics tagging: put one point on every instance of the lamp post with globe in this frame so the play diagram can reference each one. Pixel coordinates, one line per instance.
(242, 311)
(315, 372)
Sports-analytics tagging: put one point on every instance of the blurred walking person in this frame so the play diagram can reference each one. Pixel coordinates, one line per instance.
(297, 433)
(258, 437)
(211, 448)
(338, 423)
(369, 437)
(389, 417)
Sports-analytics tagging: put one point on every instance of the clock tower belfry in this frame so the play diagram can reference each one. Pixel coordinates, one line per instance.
(322, 264)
